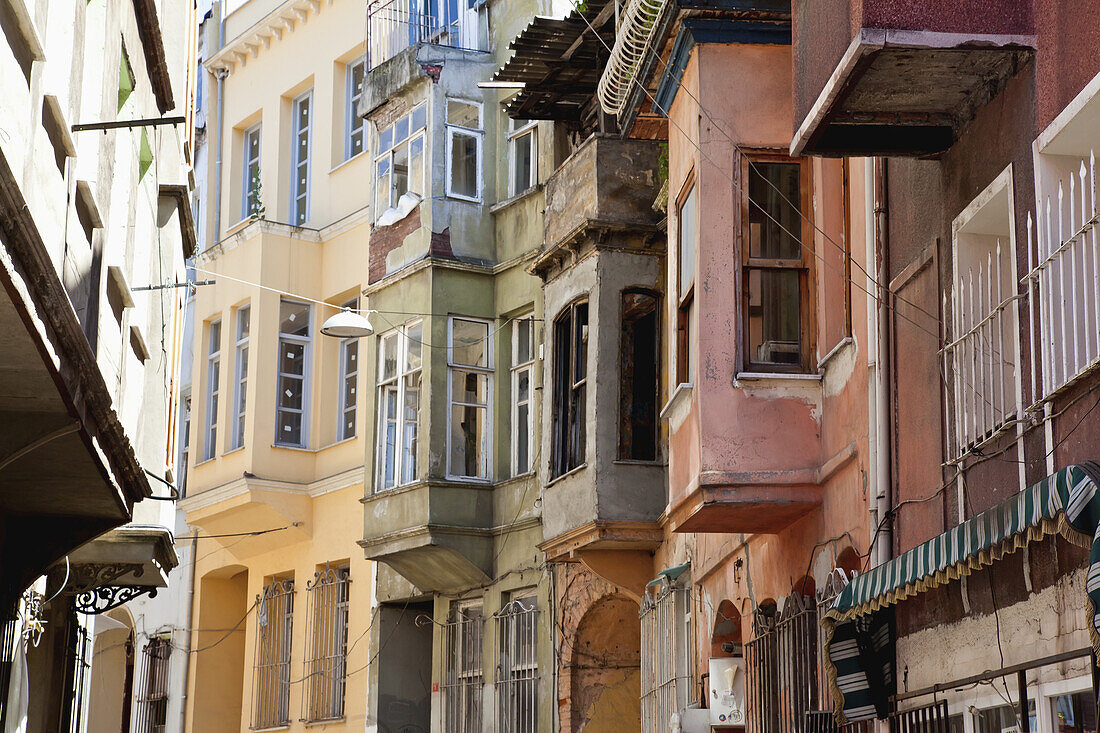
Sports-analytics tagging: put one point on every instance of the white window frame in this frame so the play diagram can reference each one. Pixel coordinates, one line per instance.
(487, 371)
(240, 377)
(299, 201)
(307, 354)
(213, 392)
(353, 123)
(389, 152)
(514, 134)
(246, 165)
(518, 370)
(478, 134)
(185, 441)
(401, 474)
(343, 432)
(665, 673)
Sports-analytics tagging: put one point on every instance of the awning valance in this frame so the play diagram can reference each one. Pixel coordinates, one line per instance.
(1065, 503)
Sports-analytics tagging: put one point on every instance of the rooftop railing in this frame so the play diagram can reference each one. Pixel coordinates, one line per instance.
(394, 25)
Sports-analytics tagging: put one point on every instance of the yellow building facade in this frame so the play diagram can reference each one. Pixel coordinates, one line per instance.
(282, 595)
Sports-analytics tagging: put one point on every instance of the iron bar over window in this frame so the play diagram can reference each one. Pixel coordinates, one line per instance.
(152, 693)
(462, 685)
(782, 661)
(666, 645)
(517, 667)
(271, 675)
(570, 379)
(326, 644)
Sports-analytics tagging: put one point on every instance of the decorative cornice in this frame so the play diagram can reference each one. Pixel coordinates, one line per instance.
(244, 484)
(259, 35)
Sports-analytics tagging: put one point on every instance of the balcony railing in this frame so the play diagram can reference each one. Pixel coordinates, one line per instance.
(394, 25)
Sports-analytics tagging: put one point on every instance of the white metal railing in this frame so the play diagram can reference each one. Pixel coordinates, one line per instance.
(463, 678)
(274, 619)
(979, 358)
(633, 41)
(1064, 278)
(666, 681)
(518, 668)
(326, 644)
(394, 25)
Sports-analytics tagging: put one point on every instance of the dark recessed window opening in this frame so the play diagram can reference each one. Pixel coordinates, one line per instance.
(639, 370)
(570, 372)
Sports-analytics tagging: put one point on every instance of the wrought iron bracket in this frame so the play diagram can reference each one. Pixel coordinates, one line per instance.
(104, 598)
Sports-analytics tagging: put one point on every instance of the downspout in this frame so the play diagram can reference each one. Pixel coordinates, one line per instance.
(190, 615)
(881, 505)
(220, 74)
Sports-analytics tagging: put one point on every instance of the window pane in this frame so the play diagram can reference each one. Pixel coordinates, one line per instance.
(638, 370)
(416, 166)
(580, 345)
(419, 118)
(469, 342)
(294, 318)
(1075, 713)
(523, 460)
(242, 323)
(467, 440)
(464, 114)
(464, 164)
(401, 129)
(292, 357)
(388, 459)
(415, 340)
(385, 140)
(215, 337)
(411, 417)
(290, 393)
(522, 162)
(469, 387)
(774, 235)
(388, 357)
(687, 241)
(400, 171)
(290, 427)
(382, 190)
(523, 341)
(774, 316)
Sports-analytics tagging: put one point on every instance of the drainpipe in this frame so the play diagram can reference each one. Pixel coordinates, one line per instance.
(881, 494)
(190, 615)
(220, 74)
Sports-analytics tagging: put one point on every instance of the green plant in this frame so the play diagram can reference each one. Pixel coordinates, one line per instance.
(256, 208)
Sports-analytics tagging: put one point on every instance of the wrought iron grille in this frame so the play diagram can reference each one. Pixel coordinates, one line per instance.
(463, 680)
(666, 683)
(7, 652)
(796, 634)
(271, 675)
(152, 700)
(78, 668)
(518, 667)
(762, 670)
(326, 644)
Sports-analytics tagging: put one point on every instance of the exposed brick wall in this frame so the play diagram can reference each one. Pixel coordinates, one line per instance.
(384, 240)
(441, 245)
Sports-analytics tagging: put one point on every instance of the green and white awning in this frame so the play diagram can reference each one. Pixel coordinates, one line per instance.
(1066, 503)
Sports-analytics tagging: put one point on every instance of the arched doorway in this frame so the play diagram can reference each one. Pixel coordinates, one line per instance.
(605, 680)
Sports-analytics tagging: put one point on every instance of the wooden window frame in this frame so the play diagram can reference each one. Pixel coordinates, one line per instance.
(685, 299)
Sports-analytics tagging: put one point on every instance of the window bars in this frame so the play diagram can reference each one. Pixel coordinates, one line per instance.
(462, 685)
(394, 25)
(274, 618)
(327, 597)
(762, 670)
(7, 653)
(152, 699)
(79, 641)
(796, 632)
(517, 668)
(666, 680)
(1063, 269)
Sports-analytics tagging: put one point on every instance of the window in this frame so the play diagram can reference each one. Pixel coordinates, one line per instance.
(523, 371)
(666, 645)
(353, 142)
(240, 376)
(518, 665)
(299, 171)
(464, 138)
(522, 155)
(399, 165)
(981, 353)
(570, 372)
(152, 702)
(250, 173)
(349, 381)
(291, 422)
(687, 243)
(213, 376)
(399, 364)
(185, 443)
(327, 642)
(464, 677)
(1073, 713)
(1003, 719)
(271, 677)
(639, 371)
(470, 380)
(776, 264)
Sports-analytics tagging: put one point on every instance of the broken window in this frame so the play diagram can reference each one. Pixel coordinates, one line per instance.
(464, 677)
(470, 379)
(464, 139)
(292, 400)
(776, 260)
(639, 370)
(271, 679)
(399, 165)
(570, 378)
(687, 244)
(399, 365)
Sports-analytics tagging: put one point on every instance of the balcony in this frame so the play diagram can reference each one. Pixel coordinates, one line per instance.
(394, 25)
(882, 77)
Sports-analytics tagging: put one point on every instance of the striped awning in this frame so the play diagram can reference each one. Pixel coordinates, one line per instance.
(1065, 503)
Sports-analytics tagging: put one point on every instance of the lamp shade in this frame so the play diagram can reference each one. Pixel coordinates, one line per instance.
(347, 324)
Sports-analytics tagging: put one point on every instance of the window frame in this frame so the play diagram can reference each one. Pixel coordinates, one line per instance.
(246, 165)
(685, 295)
(185, 442)
(656, 296)
(513, 136)
(307, 358)
(353, 123)
(299, 199)
(486, 371)
(464, 631)
(804, 266)
(478, 134)
(343, 432)
(213, 391)
(240, 376)
(397, 382)
(517, 370)
(389, 153)
(566, 388)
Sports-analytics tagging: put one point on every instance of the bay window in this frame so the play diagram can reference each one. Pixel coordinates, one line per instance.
(570, 380)
(399, 164)
(469, 385)
(464, 141)
(399, 368)
(523, 369)
(522, 155)
(292, 400)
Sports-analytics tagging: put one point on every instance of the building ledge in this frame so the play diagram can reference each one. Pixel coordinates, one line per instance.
(603, 536)
(132, 555)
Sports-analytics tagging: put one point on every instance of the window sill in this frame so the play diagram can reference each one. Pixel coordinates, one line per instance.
(638, 462)
(776, 377)
(467, 479)
(682, 394)
(463, 199)
(326, 721)
(567, 474)
(340, 165)
(299, 448)
(204, 461)
(238, 449)
(285, 726)
(515, 199)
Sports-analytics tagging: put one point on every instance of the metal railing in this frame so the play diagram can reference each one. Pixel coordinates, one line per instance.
(394, 25)
(761, 669)
(152, 698)
(79, 641)
(797, 656)
(666, 678)
(8, 639)
(931, 718)
(464, 678)
(271, 675)
(326, 644)
(518, 667)
(1063, 271)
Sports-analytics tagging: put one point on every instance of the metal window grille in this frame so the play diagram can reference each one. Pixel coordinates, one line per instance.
(796, 633)
(152, 701)
(517, 668)
(464, 678)
(666, 680)
(78, 668)
(271, 675)
(762, 669)
(7, 652)
(326, 644)
(980, 355)
(1063, 269)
